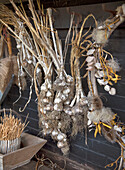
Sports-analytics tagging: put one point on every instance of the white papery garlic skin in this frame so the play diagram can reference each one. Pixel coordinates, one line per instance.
(90, 52)
(49, 85)
(69, 112)
(59, 125)
(46, 125)
(89, 122)
(90, 59)
(64, 140)
(18, 46)
(54, 132)
(102, 82)
(43, 87)
(41, 110)
(69, 79)
(66, 91)
(29, 61)
(47, 108)
(97, 76)
(60, 144)
(57, 108)
(67, 102)
(60, 137)
(48, 94)
(112, 91)
(98, 65)
(119, 129)
(107, 87)
(57, 100)
(45, 100)
(63, 97)
(100, 73)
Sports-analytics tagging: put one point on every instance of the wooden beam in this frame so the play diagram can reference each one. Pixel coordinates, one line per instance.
(62, 3)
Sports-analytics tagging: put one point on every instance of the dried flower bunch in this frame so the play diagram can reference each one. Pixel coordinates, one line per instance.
(64, 109)
(11, 127)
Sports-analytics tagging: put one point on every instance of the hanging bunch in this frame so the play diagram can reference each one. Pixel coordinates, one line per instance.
(103, 67)
(106, 66)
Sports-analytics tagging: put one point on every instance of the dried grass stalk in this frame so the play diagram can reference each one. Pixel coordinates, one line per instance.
(11, 127)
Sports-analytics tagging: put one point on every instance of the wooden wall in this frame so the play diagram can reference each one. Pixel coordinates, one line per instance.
(98, 152)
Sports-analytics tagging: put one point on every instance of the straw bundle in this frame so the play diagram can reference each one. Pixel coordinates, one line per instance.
(11, 127)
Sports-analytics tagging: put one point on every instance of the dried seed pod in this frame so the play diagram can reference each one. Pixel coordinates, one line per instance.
(109, 134)
(113, 63)
(99, 35)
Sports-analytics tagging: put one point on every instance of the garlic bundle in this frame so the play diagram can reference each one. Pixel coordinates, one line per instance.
(45, 100)
(90, 59)
(64, 92)
(79, 117)
(100, 74)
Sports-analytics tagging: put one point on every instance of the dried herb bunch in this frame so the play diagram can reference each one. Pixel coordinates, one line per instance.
(11, 127)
